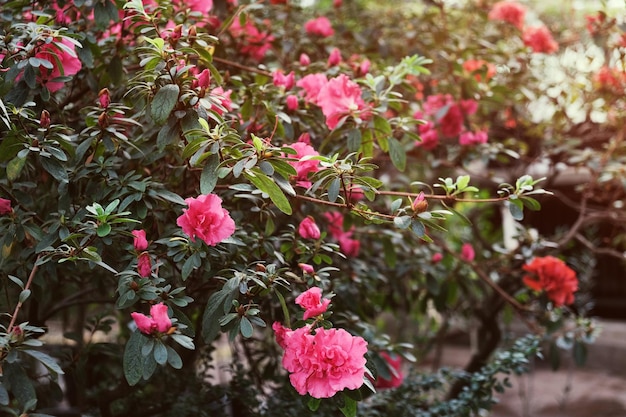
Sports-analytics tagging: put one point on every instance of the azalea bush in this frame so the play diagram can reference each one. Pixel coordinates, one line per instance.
(323, 199)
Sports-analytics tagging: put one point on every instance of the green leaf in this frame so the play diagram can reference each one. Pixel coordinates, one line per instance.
(516, 208)
(164, 102)
(168, 134)
(349, 408)
(402, 222)
(46, 360)
(333, 190)
(133, 360)
(184, 341)
(173, 358)
(103, 229)
(14, 168)
(21, 386)
(208, 178)
(397, 154)
(55, 169)
(245, 327)
(160, 353)
(24, 294)
(269, 187)
(530, 203)
(314, 403)
(212, 314)
(4, 395)
(283, 305)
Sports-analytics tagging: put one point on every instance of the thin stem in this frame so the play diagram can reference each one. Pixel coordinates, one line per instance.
(26, 287)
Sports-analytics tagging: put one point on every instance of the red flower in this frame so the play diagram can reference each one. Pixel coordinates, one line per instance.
(205, 218)
(395, 364)
(509, 11)
(5, 206)
(553, 276)
(539, 39)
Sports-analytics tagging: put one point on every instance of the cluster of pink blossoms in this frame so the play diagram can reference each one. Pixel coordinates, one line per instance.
(338, 97)
(446, 117)
(157, 323)
(349, 246)
(144, 262)
(538, 38)
(319, 26)
(252, 41)
(303, 167)
(321, 362)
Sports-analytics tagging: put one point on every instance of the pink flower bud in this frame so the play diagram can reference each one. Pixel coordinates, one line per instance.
(139, 240)
(158, 322)
(306, 268)
(5, 206)
(436, 258)
(292, 103)
(104, 98)
(467, 252)
(144, 264)
(308, 229)
(419, 204)
(334, 58)
(44, 120)
(305, 61)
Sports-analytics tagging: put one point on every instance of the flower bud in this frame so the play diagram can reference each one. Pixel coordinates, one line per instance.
(104, 97)
(419, 205)
(44, 121)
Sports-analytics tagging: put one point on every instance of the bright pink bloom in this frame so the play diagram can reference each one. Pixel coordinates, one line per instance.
(202, 80)
(340, 97)
(473, 138)
(305, 61)
(5, 206)
(364, 68)
(467, 252)
(553, 276)
(436, 258)
(139, 240)
(224, 99)
(320, 26)
(335, 223)
(312, 302)
(158, 322)
(305, 138)
(539, 39)
(64, 62)
(308, 229)
(509, 11)
(436, 102)
(334, 58)
(206, 219)
(281, 80)
(281, 333)
(451, 123)
(324, 363)
(307, 269)
(468, 106)
(312, 84)
(202, 6)
(144, 264)
(395, 367)
(104, 98)
(303, 168)
(292, 102)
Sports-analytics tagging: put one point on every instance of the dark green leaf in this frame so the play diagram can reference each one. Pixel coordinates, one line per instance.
(55, 169)
(133, 360)
(164, 102)
(349, 408)
(314, 403)
(246, 327)
(168, 134)
(397, 154)
(173, 358)
(269, 187)
(580, 353)
(47, 360)
(14, 168)
(208, 178)
(160, 353)
(333, 190)
(517, 209)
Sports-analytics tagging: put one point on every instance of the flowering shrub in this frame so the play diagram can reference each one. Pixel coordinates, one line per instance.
(219, 164)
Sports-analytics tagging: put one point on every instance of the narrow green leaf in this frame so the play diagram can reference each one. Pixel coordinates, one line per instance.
(55, 169)
(349, 408)
(397, 154)
(46, 360)
(246, 328)
(173, 358)
(164, 102)
(14, 168)
(160, 353)
(208, 178)
(283, 305)
(333, 190)
(268, 186)
(168, 134)
(24, 294)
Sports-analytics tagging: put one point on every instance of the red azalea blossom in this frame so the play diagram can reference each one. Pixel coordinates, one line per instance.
(205, 218)
(64, 62)
(139, 240)
(5, 206)
(158, 321)
(509, 11)
(324, 362)
(312, 302)
(308, 229)
(553, 276)
(539, 39)
(319, 26)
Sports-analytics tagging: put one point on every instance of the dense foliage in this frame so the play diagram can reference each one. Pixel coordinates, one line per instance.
(318, 200)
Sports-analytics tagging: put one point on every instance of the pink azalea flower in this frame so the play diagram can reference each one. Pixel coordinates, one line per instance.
(451, 123)
(202, 6)
(335, 223)
(303, 168)
(281, 333)
(436, 258)
(307, 269)
(395, 363)
(139, 240)
(144, 264)
(292, 102)
(224, 98)
(325, 362)
(312, 84)
(509, 11)
(206, 219)
(340, 97)
(312, 302)
(64, 62)
(202, 80)
(350, 247)
(158, 321)
(467, 252)
(539, 39)
(253, 42)
(104, 98)
(320, 26)
(281, 80)
(308, 229)
(419, 203)
(5, 206)
(473, 138)
(334, 58)
(305, 61)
